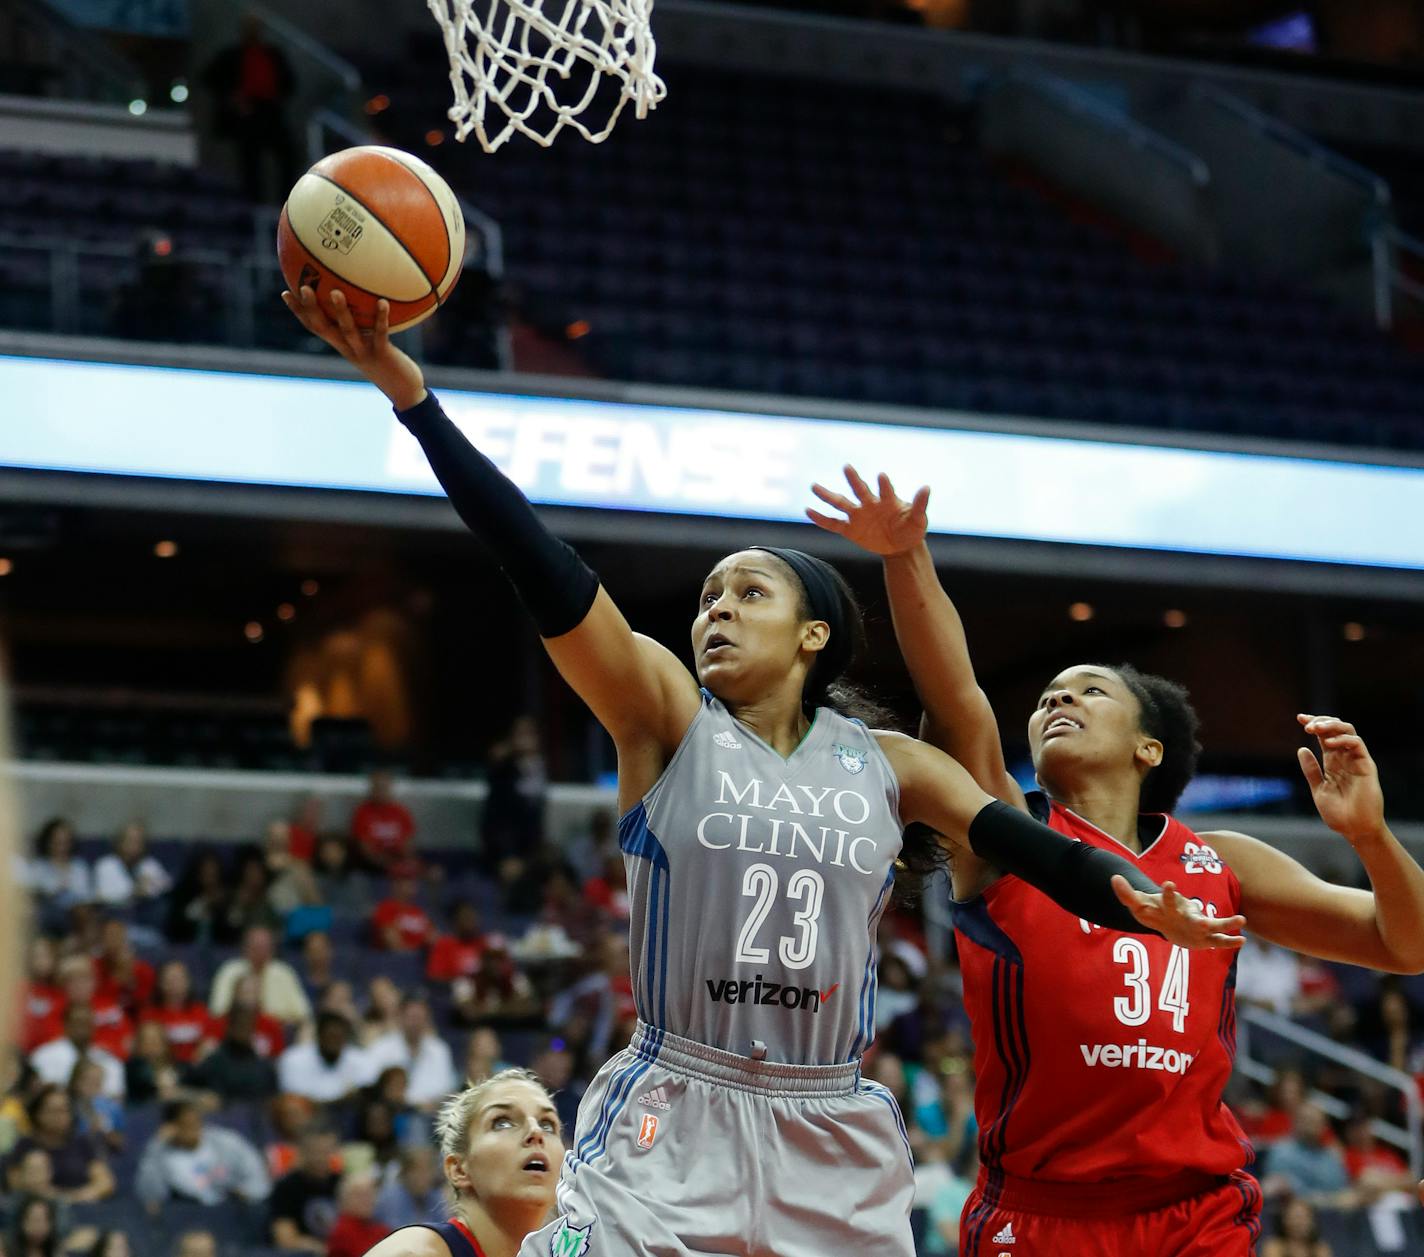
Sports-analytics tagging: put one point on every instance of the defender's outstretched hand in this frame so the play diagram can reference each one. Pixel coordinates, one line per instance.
(1344, 781)
(390, 369)
(1178, 920)
(880, 523)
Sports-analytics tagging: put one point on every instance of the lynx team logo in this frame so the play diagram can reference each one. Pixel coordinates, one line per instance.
(570, 1241)
(647, 1131)
(852, 758)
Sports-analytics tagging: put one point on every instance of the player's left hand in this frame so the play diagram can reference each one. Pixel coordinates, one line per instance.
(1178, 920)
(1344, 781)
(878, 522)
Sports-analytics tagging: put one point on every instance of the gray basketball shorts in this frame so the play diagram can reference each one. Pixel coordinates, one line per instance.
(680, 1148)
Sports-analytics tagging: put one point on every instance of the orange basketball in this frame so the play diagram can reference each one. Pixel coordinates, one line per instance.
(374, 222)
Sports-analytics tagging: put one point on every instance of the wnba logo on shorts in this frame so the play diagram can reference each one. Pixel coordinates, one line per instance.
(647, 1130)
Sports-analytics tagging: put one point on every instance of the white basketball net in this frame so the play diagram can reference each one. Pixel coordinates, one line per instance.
(509, 58)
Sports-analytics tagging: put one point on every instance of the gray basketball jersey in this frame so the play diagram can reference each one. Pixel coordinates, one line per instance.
(756, 885)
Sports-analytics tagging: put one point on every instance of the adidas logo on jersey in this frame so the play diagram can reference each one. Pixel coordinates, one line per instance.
(655, 1099)
(1006, 1236)
(727, 740)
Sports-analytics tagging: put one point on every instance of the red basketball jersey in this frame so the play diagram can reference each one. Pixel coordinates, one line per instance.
(1100, 1055)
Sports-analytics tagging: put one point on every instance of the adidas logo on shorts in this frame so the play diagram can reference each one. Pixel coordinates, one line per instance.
(655, 1099)
(1006, 1236)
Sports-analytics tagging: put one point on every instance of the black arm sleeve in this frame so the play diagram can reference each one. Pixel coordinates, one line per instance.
(556, 587)
(1075, 875)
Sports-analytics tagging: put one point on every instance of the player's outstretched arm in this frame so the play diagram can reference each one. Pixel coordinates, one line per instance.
(1099, 886)
(1380, 928)
(636, 688)
(958, 718)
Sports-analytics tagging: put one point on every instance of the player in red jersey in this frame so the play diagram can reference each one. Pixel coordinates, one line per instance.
(1101, 1056)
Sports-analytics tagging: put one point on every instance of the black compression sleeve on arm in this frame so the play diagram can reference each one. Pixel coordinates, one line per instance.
(556, 587)
(1075, 875)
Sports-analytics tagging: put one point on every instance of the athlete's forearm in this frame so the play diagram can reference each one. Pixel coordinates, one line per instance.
(1075, 875)
(553, 583)
(930, 634)
(1398, 885)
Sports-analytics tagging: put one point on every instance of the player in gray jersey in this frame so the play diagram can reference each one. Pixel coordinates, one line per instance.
(761, 828)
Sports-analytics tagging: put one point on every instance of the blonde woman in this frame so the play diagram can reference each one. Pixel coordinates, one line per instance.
(501, 1144)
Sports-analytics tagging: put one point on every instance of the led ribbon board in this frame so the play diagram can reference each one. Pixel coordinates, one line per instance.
(324, 434)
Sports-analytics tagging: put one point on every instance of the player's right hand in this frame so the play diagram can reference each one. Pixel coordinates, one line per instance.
(880, 523)
(1177, 919)
(391, 370)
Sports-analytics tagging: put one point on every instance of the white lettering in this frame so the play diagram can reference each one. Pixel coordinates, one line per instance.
(727, 786)
(856, 864)
(1139, 1055)
(816, 799)
(783, 795)
(744, 845)
(702, 831)
(798, 832)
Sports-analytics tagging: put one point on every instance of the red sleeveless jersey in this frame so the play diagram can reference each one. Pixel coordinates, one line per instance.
(1101, 1056)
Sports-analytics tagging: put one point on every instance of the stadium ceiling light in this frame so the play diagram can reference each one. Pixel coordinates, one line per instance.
(166, 549)
(1354, 631)
(252, 630)
(1081, 612)
(138, 107)
(178, 93)
(286, 613)
(1174, 619)
(310, 588)
(6, 567)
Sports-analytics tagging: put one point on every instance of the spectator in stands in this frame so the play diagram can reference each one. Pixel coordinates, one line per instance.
(399, 923)
(189, 1160)
(303, 1205)
(55, 874)
(94, 1112)
(330, 1070)
(1267, 977)
(1283, 1100)
(43, 997)
(499, 991)
(356, 1227)
(151, 1073)
(119, 973)
(317, 971)
(607, 890)
(392, 1089)
(79, 1170)
(414, 1195)
(941, 1193)
(554, 1067)
(112, 1028)
(279, 989)
(54, 1061)
(339, 997)
(196, 1244)
(382, 828)
(111, 1244)
(33, 1175)
(588, 851)
(36, 1231)
(252, 83)
(128, 876)
(587, 1011)
(199, 901)
(1374, 1168)
(17, 1082)
(419, 1051)
(247, 907)
(1308, 1163)
(374, 1146)
(269, 1037)
(457, 954)
(235, 1070)
(382, 1016)
(342, 889)
(484, 1055)
(1389, 1029)
(1297, 1234)
(305, 832)
(183, 1017)
(512, 825)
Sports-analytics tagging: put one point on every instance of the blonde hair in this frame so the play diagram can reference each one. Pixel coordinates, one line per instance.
(14, 910)
(452, 1123)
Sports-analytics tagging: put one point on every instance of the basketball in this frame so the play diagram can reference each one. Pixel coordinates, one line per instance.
(374, 222)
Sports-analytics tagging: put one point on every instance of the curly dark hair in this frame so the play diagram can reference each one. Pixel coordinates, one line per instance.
(1167, 714)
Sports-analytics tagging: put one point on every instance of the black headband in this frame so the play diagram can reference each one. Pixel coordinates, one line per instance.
(825, 602)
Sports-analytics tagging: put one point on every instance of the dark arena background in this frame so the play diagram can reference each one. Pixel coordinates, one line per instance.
(1136, 288)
